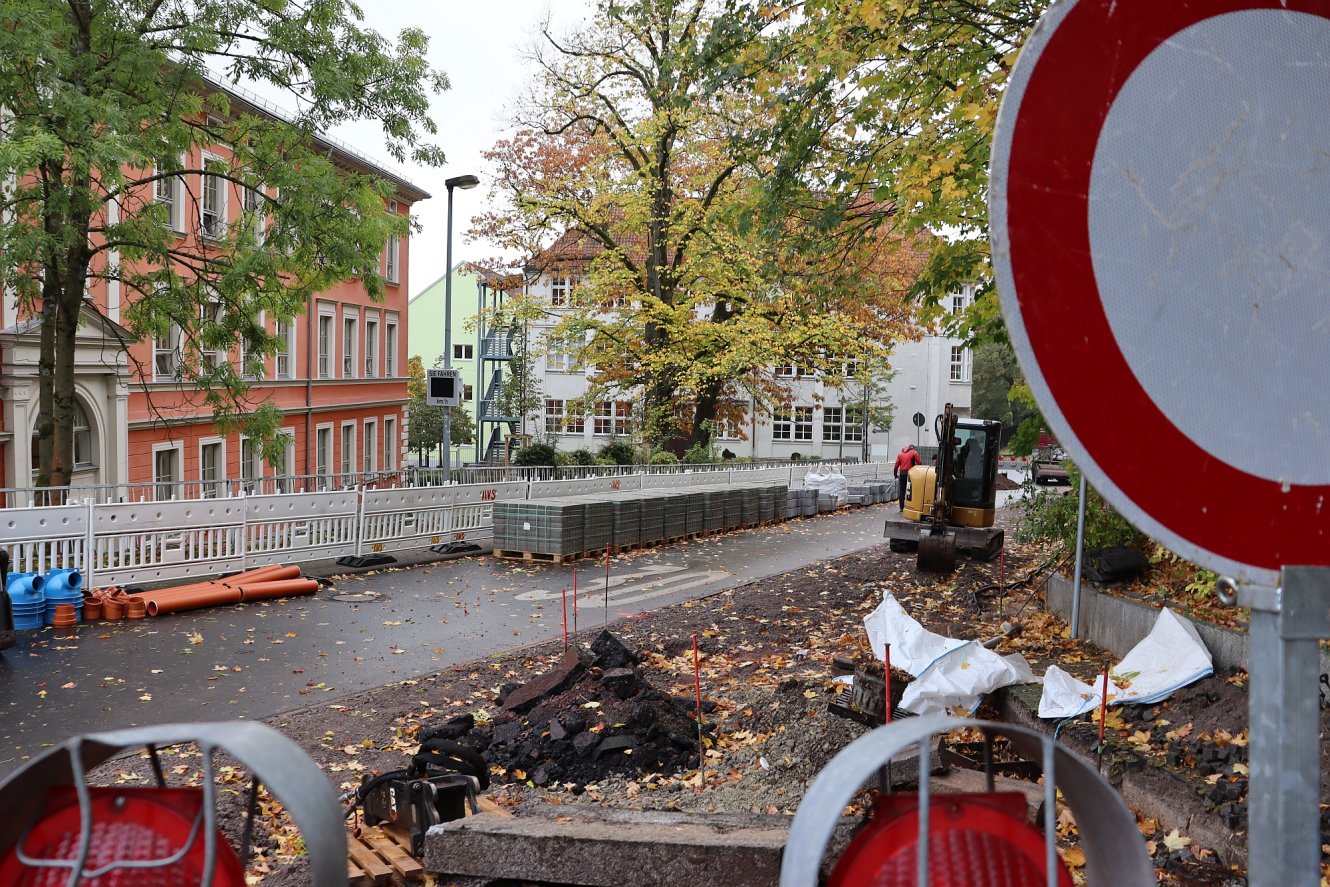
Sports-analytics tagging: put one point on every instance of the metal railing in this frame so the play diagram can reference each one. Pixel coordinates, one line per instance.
(117, 543)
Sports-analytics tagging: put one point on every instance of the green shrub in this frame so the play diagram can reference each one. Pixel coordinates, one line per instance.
(535, 454)
(582, 456)
(619, 452)
(563, 457)
(1050, 516)
(701, 454)
(664, 457)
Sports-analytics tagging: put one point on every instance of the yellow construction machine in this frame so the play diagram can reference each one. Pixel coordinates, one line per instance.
(951, 504)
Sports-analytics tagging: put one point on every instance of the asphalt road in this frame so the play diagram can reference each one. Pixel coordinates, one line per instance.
(256, 660)
(261, 659)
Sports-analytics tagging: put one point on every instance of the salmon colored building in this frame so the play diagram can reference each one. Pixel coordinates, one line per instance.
(340, 381)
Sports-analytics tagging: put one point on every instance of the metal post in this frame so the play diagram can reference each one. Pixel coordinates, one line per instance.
(1283, 819)
(89, 564)
(448, 341)
(1080, 554)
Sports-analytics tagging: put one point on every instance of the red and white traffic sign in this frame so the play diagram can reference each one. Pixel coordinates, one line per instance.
(1160, 209)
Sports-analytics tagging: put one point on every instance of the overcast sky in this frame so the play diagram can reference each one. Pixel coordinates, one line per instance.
(479, 44)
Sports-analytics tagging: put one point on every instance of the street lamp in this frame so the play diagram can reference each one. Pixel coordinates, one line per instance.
(463, 182)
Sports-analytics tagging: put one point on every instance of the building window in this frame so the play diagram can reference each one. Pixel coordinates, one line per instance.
(573, 420)
(285, 480)
(166, 355)
(792, 424)
(286, 346)
(560, 290)
(166, 191)
(960, 364)
(348, 347)
(390, 259)
(251, 465)
(553, 416)
(623, 417)
(371, 438)
(390, 443)
(212, 469)
(348, 452)
(166, 472)
(958, 302)
(463, 352)
(325, 345)
(468, 392)
(252, 204)
(559, 362)
(854, 424)
(323, 455)
(850, 368)
(371, 348)
(831, 422)
(789, 370)
(211, 314)
(390, 350)
(212, 203)
(603, 424)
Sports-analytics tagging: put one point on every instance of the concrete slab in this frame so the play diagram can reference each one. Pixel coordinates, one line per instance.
(613, 848)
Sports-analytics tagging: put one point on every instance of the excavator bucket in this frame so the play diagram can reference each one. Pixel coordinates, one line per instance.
(937, 552)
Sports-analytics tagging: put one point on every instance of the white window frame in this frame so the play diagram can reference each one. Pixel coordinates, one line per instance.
(464, 351)
(347, 464)
(832, 420)
(854, 423)
(212, 312)
(559, 362)
(177, 448)
(323, 458)
(212, 488)
(349, 345)
(392, 259)
(251, 203)
(371, 346)
(604, 411)
(170, 190)
(167, 350)
(251, 466)
(561, 292)
(790, 370)
(782, 424)
(802, 418)
(391, 441)
(218, 212)
(287, 350)
(623, 418)
(960, 364)
(369, 452)
(554, 414)
(244, 352)
(390, 326)
(327, 344)
(285, 479)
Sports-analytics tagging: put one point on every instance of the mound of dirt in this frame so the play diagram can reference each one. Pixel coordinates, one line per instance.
(592, 716)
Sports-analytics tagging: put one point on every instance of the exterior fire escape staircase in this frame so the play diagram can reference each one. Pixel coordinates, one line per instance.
(496, 350)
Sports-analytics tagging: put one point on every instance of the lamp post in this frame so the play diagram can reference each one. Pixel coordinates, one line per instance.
(463, 182)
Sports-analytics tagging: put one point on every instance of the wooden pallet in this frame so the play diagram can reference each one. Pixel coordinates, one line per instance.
(382, 853)
(539, 557)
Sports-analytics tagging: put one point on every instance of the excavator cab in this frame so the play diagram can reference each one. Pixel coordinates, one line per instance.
(952, 503)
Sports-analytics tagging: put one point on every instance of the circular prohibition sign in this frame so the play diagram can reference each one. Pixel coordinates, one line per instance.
(1160, 216)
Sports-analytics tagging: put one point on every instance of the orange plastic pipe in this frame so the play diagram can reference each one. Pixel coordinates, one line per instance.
(173, 603)
(259, 591)
(262, 574)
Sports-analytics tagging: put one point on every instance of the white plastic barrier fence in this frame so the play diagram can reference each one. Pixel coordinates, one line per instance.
(131, 543)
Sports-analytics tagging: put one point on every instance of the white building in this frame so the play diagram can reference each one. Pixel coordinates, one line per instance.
(823, 420)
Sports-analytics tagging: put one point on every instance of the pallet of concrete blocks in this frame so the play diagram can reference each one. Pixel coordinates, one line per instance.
(627, 521)
(792, 507)
(826, 502)
(652, 521)
(859, 494)
(695, 518)
(884, 491)
(734, 508)
(771, 504)
(713, 508)
(539, 529)
(676, 514)
(598, 527)
(752, 508)
(807, 502)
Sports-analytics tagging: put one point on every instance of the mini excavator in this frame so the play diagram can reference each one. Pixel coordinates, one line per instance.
(952, 503)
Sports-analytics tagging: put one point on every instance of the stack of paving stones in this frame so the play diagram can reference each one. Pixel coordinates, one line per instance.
(627, 522)
(568, 526)
(859, 494)
(792, 507)
(553, 526)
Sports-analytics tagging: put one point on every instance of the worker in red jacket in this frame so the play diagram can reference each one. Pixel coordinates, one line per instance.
(908, 458)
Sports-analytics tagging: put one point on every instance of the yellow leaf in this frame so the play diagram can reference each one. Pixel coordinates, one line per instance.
(1074, 857)
(1175, 841)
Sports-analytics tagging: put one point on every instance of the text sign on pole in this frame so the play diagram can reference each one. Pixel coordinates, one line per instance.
(1161, 243)
(443, 388)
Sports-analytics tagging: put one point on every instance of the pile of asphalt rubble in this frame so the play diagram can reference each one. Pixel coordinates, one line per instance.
(593, 715)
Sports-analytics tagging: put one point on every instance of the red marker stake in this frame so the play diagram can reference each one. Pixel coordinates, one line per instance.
(574, 600)
(697, 689)
(1103, 716)
(565, 620)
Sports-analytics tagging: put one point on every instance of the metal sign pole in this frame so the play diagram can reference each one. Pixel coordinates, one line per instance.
(1283, 813)
(1080, 556)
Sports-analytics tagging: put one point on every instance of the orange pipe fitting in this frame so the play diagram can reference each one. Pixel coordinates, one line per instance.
(259, 591)
(214, 596)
